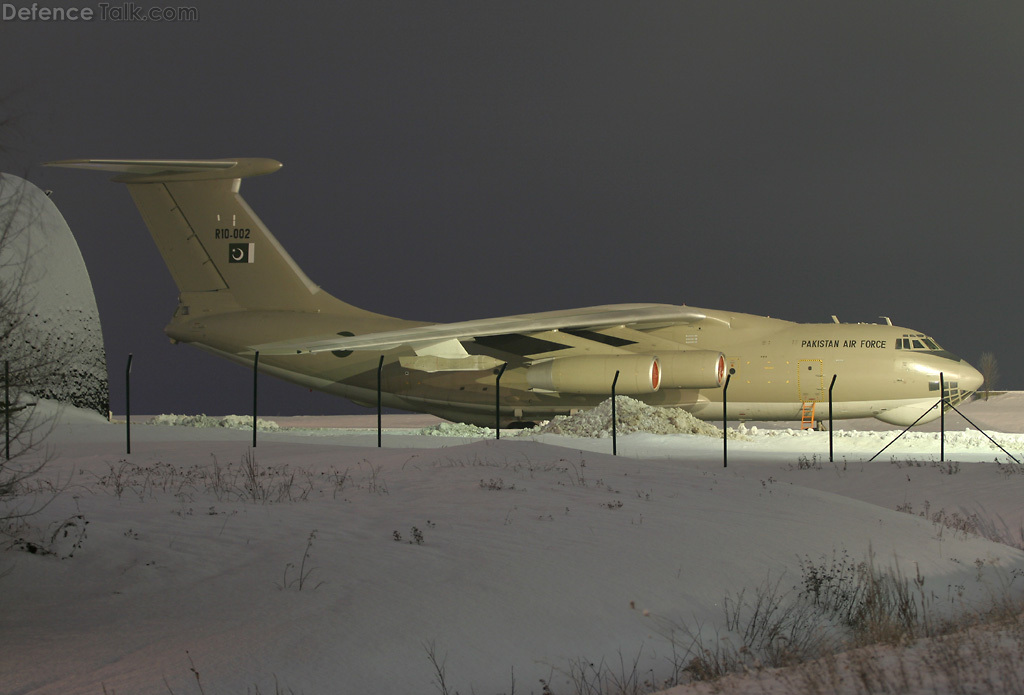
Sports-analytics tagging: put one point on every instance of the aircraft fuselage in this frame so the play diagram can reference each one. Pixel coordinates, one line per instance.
(775, 367)
(240, 293)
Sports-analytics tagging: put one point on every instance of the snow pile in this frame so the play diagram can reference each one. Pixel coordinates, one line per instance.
(235, 422)
(456, 429)
(631, 416)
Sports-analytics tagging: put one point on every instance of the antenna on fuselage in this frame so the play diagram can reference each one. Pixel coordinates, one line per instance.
(888, 322)
(835, 319)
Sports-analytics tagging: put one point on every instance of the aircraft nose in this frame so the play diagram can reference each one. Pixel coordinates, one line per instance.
(970, 378)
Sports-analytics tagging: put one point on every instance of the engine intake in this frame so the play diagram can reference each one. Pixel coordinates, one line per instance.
(593, 374)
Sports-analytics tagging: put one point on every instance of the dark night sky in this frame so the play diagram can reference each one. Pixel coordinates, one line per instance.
(456, 160)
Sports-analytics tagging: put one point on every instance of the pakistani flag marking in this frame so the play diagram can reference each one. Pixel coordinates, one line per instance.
(240, 253)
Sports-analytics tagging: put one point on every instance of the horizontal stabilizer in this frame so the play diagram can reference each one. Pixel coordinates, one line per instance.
(591, 317)
(156, 170)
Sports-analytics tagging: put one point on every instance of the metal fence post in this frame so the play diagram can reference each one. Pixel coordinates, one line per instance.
(830, 387)
(7, 409)
(497, 402)
(380, 368)
(255, 380)
(942, 417)
(128, 405)
(725, 422)
(615, 443)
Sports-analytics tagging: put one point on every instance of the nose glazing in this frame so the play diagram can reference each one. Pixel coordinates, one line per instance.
(961, 381)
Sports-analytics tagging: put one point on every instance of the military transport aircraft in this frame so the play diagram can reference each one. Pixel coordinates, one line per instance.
(240, 292)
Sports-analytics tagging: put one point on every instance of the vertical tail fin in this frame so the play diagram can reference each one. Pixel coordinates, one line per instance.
(220, 254)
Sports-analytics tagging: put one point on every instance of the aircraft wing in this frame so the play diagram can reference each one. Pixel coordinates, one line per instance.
(422, 338)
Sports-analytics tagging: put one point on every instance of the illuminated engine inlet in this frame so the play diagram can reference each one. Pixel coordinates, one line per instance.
(593, 374)
(692, 369)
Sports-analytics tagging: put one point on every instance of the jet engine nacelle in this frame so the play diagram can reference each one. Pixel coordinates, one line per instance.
(593, 374)
(692, 369)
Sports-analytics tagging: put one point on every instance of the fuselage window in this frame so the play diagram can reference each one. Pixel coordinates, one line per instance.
(919, 345)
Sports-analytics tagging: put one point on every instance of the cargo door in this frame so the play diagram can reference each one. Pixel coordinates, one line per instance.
(809, 380)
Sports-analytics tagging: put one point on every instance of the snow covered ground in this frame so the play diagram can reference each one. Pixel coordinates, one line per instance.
(318, 563)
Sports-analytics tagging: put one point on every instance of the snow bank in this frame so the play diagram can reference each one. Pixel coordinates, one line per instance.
(631, 416)
(456, 429)
(235, 422)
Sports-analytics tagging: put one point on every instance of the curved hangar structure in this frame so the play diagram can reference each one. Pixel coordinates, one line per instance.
(240, 292)
(49, 304)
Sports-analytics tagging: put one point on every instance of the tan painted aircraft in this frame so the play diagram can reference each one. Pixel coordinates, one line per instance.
(240, 292)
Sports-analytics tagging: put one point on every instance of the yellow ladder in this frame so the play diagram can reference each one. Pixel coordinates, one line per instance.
(807, 415)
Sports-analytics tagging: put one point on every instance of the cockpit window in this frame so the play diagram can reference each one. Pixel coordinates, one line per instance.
(917, 342)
